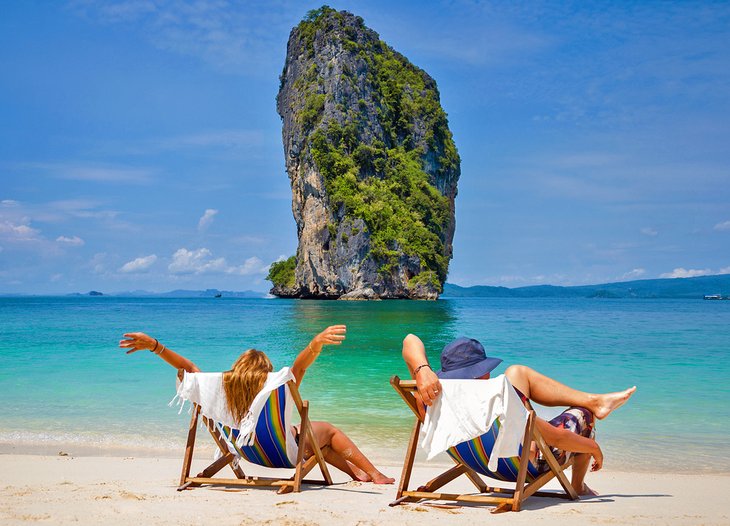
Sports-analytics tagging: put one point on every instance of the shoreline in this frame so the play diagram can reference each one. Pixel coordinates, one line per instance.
(386, 456)
(66, 490)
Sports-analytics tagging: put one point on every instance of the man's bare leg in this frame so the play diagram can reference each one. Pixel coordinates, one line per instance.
(546, 391)
(581, 461)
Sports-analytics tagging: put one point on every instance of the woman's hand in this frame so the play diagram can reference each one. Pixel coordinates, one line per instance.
(138, 341)
(428, 385)
(332, 335)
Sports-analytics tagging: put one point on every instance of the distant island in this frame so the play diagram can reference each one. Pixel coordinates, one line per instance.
(207, 293)
(178, 293)
(689, 288)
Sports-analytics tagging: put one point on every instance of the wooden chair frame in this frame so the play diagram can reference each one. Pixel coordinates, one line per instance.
(227, 458)
(505, 499)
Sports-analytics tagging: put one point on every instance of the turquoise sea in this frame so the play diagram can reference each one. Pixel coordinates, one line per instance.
(67, 386)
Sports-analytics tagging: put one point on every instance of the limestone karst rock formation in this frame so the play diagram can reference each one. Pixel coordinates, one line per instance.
(372, 165)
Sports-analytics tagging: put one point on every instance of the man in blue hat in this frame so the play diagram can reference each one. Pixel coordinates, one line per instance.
(571, 431)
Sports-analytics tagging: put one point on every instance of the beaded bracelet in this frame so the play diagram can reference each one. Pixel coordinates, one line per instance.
(415, 372)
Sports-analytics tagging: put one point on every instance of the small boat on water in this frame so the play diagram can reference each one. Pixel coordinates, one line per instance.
(715, 297)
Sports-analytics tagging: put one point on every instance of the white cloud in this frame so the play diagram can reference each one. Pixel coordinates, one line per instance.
(207, 218)
(252, 265)
(120, 11)
(18, 232)
(80, 208)
(724, 270)
(97, 263)
(74, 241)
(139, 264)
(55, 212)
(226, 37)
(216, 143)
(512, 279)
(104, 174)
(632, 274)
(199, 261)
(246, 239)
(687, 273)
(649, 231)
(73, 205)
(725, 225)
(237, 139)
(100, 173)
(482, 41)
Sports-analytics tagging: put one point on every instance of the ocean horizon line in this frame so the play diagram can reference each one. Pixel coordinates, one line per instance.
(695, 286)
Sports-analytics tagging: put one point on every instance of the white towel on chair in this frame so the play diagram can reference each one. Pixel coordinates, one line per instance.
(206, 390)
(466, 409)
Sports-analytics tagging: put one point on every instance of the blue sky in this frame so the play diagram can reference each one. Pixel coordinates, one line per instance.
(140, 146)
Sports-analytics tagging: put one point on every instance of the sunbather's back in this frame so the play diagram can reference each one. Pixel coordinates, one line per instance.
(475, 453)
(269, 445)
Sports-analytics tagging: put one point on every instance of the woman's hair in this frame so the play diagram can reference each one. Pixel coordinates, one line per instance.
(244, 381)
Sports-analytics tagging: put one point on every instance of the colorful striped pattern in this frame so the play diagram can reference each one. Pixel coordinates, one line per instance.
(269, 447)
(475, 454)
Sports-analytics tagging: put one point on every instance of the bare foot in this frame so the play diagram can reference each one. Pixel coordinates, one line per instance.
(612, 401)
(585, 491)
(379, 478)
(358, 474)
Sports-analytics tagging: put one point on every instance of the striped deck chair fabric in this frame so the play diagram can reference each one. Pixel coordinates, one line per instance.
(475, 454)
(269, 446)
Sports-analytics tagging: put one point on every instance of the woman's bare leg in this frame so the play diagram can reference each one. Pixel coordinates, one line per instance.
(546, 391)
(345, 450)
(336, 460)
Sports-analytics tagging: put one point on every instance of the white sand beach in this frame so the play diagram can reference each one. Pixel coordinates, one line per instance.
(136, 490)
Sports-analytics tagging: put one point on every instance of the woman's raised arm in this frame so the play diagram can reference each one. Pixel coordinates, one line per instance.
(333, 335)
(139, 341)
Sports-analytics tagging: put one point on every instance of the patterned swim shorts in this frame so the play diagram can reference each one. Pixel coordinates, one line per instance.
(578, 420)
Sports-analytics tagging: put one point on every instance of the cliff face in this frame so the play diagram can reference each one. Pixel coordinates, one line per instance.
(372, 165)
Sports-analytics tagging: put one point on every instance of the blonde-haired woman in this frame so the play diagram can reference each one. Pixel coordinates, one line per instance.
(247, 377)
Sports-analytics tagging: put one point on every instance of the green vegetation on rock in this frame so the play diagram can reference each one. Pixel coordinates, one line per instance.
(281, 273)
(403, 212)
(313, 21)
(313, 106)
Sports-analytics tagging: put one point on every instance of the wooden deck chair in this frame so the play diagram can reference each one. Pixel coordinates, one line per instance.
(471, 459)
(269, 448)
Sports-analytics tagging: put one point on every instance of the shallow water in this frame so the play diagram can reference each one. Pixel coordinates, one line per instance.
(68, 385)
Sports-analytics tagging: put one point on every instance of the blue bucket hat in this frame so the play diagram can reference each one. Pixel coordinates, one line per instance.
(465, 358)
